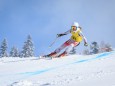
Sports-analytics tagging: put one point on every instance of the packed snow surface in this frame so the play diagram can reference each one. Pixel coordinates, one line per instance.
(72, 70)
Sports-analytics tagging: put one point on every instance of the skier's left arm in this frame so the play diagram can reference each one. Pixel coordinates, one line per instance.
(84, 38)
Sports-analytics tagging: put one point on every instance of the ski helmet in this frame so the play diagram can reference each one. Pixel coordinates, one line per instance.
(75, 24)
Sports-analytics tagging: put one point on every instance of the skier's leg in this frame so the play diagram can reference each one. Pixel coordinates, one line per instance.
(53, 54)
(67, 43)
(69, 48)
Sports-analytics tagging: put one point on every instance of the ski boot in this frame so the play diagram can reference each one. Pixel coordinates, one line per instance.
(51, 55)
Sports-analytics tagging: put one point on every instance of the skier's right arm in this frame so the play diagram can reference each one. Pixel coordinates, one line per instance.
(65, 33)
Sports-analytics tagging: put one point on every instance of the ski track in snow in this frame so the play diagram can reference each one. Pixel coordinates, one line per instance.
(76, 62)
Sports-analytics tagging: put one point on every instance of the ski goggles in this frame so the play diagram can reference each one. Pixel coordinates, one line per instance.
(74, 28)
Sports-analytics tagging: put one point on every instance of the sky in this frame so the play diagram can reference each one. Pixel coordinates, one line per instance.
(43, 19)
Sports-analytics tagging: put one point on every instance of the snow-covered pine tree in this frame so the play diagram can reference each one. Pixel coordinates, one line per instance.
(28, 48)
(105, 47)
(14, 52)
(21, 54)
(108, 47)
(3, 49)
(94, 48)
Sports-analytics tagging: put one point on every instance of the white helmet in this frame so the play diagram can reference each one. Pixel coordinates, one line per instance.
(76, 24)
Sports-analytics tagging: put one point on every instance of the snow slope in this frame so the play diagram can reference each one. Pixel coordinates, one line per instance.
(74, 70)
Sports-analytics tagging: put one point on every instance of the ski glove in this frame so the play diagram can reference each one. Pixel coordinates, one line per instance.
(59, 35)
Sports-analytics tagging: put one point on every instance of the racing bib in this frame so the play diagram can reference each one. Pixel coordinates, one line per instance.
(76, 36)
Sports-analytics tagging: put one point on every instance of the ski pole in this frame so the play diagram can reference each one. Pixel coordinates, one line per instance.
(53, 42)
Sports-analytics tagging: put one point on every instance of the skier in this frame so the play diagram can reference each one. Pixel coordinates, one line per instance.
(74, 41)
